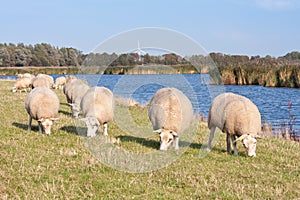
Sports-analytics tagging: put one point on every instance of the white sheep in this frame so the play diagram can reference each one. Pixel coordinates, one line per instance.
(60, 82)
(170, 113)
(237, 116)
(22, 84)
(69, 87)
(40, 81)
(97, 108)
(26, 75)
(79, 89)
(49, 78)
(42, 104)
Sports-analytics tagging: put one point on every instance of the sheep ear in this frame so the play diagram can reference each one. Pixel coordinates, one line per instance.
(174, 134)
(157, 131)
(257, 137)
(40, 120)
(240, 138)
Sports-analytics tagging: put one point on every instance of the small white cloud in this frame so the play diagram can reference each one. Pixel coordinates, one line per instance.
(277, 4)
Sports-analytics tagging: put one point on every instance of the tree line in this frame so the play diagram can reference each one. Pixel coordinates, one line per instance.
(44, 54)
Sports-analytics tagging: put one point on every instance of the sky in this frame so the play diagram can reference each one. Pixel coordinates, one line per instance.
(236, 27)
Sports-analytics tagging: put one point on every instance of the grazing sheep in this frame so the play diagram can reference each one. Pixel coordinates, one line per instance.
(170, 113)
(237, 116)
(49, 78)
(22, 84)
(69, 87)
(79, 90)
(40, 81)
(26, 75)
(60, 82)
(97, 109)
(42, 104)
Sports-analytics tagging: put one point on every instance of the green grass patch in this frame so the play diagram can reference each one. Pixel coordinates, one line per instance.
(36, 166)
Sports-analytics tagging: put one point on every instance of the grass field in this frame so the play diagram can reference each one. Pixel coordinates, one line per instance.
(59, 166)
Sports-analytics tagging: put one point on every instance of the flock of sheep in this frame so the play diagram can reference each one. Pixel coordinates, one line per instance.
(170, 111)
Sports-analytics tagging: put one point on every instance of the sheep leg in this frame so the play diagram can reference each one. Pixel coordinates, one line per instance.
(29, 123)
(211, 137)
(234, 145)
(40, 128)
(105, 129)
(176, 143)
(228, 138)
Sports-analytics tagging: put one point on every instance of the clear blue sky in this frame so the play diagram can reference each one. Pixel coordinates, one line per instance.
(250, 27)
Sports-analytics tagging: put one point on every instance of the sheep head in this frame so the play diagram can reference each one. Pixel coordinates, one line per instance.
(249, 143)
(47, 124)
(167, 138)
(92, 125)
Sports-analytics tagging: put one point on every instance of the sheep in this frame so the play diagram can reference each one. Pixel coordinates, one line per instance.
(74, 91)
(237, 116)
(68, 90)
(97, 107)
(49, 78)
(69, 87)
(60, 82)
(77, 94)
(22, 84)
(40, 82)
(42, 104)
(170, 113)
(26, 75)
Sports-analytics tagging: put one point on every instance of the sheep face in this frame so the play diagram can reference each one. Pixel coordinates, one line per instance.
(92, 125)
(249, 143)
(167, 138)
(46, 124)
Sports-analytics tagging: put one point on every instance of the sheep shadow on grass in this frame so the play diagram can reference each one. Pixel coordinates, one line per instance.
(25, 126)
(65, 113)
(81, 131)
(145, 142)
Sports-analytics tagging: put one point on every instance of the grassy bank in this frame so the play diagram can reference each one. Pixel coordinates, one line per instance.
(36, 166)
(38, 70)
(146, 69)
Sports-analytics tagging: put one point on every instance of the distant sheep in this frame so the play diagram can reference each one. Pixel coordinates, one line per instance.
(49, 78)
(237, 116)
(170, 113)
(60, 82)
(40, 81)
(26, 75)
(74, 91)
(42, 104)
(77, 94)
(69, 87)
(97, 109)
(68, 90)
(22, 84)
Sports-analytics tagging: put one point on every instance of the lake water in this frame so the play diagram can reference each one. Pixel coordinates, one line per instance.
(271, 102)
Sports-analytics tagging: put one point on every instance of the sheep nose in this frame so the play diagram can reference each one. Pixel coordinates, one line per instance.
(163, 148)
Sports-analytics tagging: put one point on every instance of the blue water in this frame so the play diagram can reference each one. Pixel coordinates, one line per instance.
(272, 102)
